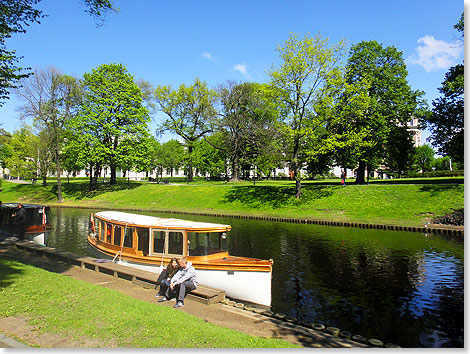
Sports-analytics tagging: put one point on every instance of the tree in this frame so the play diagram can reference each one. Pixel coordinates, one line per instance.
(15, 16)
(246, 121)
(21, 162)
(446, 121)
(172, 155)
(190, 110)
(133, 153)
(51, 99)
(399, 150)
(5, 149)
(392, 101)
(424, 158)
(45, 158)
(207, 158)
(112, 111)
(300, 80)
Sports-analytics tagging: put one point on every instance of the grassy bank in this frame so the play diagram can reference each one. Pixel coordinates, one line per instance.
(56, 304)
(407, 203)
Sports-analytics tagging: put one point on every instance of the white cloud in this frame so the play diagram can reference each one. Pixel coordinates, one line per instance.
(435, 54)
(241, 68)
(207, 55)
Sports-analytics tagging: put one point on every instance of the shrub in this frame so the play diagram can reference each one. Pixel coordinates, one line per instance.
(456, 217)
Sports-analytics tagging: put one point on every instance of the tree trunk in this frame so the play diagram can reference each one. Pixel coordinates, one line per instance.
(190, 167)
(60, 199)
(235, 168)
(112, 179)
(298, 184)
(361, 171)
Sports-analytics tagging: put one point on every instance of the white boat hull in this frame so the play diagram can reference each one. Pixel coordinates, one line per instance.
(250, 286)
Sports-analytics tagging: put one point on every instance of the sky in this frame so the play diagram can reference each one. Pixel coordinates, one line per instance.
(173, 42)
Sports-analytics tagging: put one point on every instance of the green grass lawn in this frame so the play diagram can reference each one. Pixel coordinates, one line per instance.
(405, 202)
(57, 304)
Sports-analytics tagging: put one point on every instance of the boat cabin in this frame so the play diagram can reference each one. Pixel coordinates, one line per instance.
(147, 236)
(35, 225)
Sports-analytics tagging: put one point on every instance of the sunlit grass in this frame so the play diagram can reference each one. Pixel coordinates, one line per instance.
(380, 202)
(74, 309)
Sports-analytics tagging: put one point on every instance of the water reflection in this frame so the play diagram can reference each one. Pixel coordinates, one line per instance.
(401, 287)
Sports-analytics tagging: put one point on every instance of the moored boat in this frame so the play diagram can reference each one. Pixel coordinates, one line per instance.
(33, 226)
(148, 243)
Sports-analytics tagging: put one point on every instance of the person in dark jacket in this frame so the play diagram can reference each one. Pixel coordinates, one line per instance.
(19, 220)
(184, 281)
(166, 275)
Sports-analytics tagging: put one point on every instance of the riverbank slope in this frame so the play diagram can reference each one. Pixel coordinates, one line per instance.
(407, 204)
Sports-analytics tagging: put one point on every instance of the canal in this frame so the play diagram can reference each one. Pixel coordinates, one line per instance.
(399, 287)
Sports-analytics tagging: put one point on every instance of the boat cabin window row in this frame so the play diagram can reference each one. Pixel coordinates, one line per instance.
(168, 242)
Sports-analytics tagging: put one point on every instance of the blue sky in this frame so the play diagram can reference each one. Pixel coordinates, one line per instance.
(173, 42)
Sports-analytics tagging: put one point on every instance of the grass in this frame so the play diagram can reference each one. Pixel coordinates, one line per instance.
(397, 202)
(56, 304)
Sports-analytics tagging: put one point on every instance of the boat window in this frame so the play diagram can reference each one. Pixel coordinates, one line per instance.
(108, 233)
(175, 242)
(102, 230)
(205, 243)
(159, 241)
(117, 236)
(143, 241)
(128, 237)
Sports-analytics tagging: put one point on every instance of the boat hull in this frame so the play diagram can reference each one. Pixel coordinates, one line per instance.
(245, 285)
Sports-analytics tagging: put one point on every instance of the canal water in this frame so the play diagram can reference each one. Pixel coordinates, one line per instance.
(399, 287)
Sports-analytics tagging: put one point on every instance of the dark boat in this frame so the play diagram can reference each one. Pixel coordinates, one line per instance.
(35, 225)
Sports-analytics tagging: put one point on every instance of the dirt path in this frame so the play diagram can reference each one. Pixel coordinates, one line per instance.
(218, 314)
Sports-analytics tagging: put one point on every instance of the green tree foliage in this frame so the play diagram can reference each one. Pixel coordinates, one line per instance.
(247, 125)
(15, 17)
(392, 101)
(399, 150)
(424, 158)
(5, 149)
(207, 158)
(190, 110)
(172, 155)
(45, 157)
(446, 121)
(300, 80)
(111, 114)
(50, 99)
(344, 108)
(21, 162)
(442, 164)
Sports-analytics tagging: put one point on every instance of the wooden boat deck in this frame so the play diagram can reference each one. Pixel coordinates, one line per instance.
(146, 279)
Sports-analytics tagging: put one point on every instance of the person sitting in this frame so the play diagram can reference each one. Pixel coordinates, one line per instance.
(166, 275)
(184, 281)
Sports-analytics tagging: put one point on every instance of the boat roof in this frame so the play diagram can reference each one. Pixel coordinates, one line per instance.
(156, 222)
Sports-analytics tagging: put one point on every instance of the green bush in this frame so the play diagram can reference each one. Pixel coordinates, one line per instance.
(456, 173)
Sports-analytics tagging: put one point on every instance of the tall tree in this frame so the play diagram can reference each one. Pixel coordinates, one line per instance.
(399, 151)
(301, 78)
(190, 110)
(207, 158)
(172, 155)
(424, 158)
(5, 150)
(15, 17)
(392, 101)
(246, 121)
(112, 110)
(446, 121)
(21, 162)
(51, 99)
